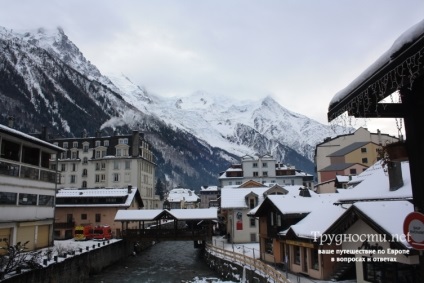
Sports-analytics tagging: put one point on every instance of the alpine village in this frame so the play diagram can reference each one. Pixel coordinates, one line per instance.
(357, 216)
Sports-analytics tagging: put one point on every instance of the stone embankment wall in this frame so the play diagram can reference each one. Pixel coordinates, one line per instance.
(78, 267)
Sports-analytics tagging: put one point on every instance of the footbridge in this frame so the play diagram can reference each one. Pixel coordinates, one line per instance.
(168, 225)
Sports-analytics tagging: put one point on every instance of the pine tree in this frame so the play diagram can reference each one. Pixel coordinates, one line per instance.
(160, 189)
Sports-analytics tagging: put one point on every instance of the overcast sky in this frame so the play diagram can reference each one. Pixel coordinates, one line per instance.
(299, 52)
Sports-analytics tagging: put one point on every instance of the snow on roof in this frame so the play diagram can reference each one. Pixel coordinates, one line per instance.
(100, 192)
(292, 204)
(179, 194)
(133, 215)
(29, 137)
(322, 216)
(234, 197)
(389, 215)
(209, 188)
(180, 214)
(374, 184)
(408, 36)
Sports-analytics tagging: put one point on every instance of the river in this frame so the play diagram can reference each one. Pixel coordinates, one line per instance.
(165, 262)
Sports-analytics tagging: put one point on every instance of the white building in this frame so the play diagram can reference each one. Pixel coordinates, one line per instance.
(27, 189)
(264, 169)
(181, 198)
(108, 161)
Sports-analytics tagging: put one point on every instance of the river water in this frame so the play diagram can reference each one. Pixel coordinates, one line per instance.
(165, 262)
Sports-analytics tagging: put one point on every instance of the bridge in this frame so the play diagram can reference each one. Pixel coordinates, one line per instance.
(168, 225)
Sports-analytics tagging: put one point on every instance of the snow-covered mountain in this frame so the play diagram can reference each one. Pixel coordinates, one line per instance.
(45, 79)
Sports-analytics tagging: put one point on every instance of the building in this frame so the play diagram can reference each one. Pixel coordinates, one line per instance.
(180, 198)
(27, 189)
(294, 231)
(237, 202)
(209, 196)
(94, 206)
(108, 162)
(347, 155)
(264, 169)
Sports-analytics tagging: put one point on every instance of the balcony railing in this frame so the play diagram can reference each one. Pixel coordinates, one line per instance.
(27, 172)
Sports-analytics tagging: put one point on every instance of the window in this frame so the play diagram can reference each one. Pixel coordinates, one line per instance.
(365, 160)
(72, 179)
(269, 246)
(8, 198)
(44, 200)
(123, 141)
(65, 145)
(252, 222)
(253, 237)
(97, 143)
(255, 174)
(264, 164)
(279, 220)
(127, 164)
(106, 143)
(63, 167)
(251, 203)
(75, 144)
(314, 259)
(74, 154)
(27, 199)
(265, 174)
(103, 165)
(116, 177)
(97, 178)
(85, 148)
(352, 171)
(118, 152)
(363, 149)
(255, 165)
(74, 167)
(84, 184)
(85, 160)
(97, 166)
(296, 254)
(98, 153)
(102, 177)
(272, 218)
(103, 153)
(116, 165)
(10, 150)
(98, 217)
(84, 172)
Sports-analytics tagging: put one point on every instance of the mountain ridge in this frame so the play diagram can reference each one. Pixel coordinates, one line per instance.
(47, 80)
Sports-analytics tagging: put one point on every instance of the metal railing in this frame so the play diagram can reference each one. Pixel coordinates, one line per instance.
(269, 272)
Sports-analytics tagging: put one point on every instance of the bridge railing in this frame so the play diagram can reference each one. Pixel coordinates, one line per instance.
(259, 266)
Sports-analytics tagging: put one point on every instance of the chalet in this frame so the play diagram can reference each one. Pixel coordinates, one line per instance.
(236, 203)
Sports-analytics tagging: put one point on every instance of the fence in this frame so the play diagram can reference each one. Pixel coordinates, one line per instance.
(263, 269)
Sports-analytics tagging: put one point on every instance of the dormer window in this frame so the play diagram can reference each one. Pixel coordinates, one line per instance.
(65, 145)
(106, 143)
(123, 141)
(75, 144)
(97, 143)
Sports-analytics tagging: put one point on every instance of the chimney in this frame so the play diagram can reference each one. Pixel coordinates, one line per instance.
(129, 189)
(135, 143)
(10, 121)
(84, 133)
(98, 134)
(44, 134)
(394, 170)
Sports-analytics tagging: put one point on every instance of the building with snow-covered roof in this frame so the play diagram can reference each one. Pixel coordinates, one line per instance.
(291, 227)
(236, 204)
(209, 196)
(27, 189)
(108, 161)
(93, 206)
(264, 169)
(181, 198)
